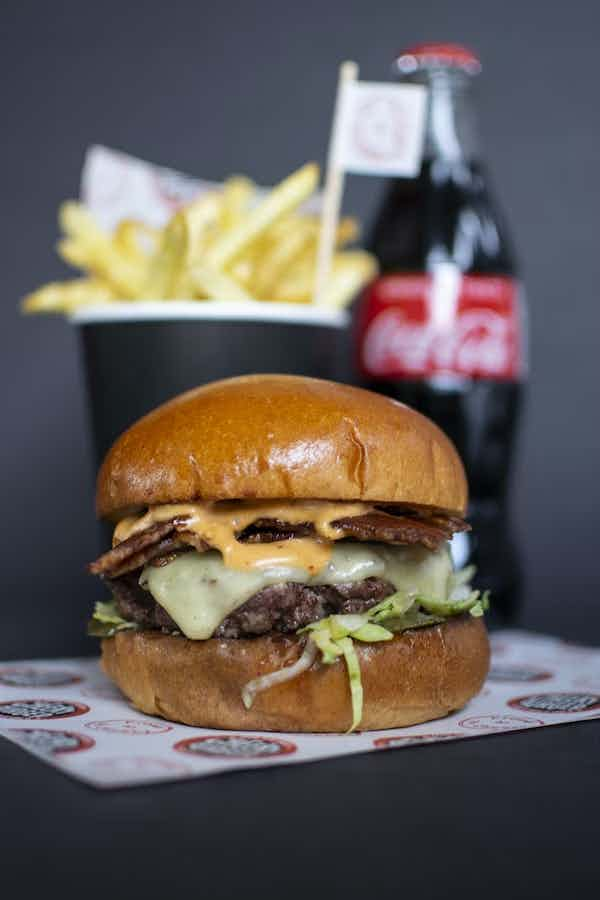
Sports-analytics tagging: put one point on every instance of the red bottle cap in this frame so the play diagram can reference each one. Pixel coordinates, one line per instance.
(423, 56)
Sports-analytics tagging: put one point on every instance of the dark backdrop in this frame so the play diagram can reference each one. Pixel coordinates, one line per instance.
(217, 88)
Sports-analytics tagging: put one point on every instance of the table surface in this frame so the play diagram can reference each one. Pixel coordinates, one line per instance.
(512, 815)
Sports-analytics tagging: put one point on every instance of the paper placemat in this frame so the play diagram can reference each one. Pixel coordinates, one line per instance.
(67, 713)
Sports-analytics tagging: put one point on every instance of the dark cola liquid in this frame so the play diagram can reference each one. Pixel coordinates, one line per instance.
(446, 214)
(481, 420)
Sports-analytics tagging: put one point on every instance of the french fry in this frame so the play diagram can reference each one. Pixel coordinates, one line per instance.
(222, 246)
(77, 223)
(66, 296)
(73, 253)
(296, 285)
(200, 220)
(184, 242)
(244, 269)
(281, 257)
(90, 248)
(297, 237)
(350, 271)
(163, 275)
(288, 195)
(348, 231)
(136, 240)
(236, 197)
(216, 285)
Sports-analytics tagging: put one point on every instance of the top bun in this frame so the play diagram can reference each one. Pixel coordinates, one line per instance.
(281, 436)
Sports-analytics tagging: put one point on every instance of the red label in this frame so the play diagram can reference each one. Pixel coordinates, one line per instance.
(416, 326)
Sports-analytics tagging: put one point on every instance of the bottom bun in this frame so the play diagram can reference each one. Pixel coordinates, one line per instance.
(419, 675)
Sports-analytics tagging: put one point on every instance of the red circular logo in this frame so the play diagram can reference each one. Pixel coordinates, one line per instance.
(27, 677)
(42, 709)
(508, 672)
(235, 746)
(129, 726)
(381, 131)
(559, 702)
(50, 743)
(414, 739)
(498, 723)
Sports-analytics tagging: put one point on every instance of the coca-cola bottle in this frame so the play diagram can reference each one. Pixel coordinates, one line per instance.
(441, 328)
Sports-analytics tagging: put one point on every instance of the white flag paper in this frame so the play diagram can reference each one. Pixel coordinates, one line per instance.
(380, 128)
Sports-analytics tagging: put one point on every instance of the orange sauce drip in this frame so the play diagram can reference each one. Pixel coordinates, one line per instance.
(219, 523)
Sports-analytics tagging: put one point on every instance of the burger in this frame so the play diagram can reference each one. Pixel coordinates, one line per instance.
(280, 561)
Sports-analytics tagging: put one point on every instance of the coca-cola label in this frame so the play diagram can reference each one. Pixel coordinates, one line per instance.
(447, 324)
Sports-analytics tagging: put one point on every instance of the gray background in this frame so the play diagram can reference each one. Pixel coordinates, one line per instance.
(212, 89)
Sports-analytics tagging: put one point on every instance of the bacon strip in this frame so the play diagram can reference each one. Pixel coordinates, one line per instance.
(387, 529)
(160, 541)
(113, 560)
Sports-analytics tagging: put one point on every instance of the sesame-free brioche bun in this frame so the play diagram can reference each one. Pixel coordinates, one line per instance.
(281, 436)
(420, 675)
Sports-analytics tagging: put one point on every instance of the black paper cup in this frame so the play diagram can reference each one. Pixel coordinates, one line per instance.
(137, 355)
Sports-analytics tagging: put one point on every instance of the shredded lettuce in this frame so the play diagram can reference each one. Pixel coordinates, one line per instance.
(414, 618)
(334, 636)
(346, 645)
(106, 621)
(393, 606)
(107, 612)
(456, 604)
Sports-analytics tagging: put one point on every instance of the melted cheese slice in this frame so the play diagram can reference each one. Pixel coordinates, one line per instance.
(199, 590)
(219, 524)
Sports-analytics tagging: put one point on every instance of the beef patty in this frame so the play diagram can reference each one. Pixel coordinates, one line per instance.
(282, 608)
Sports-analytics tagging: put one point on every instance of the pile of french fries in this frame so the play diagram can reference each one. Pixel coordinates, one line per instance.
(230, 244)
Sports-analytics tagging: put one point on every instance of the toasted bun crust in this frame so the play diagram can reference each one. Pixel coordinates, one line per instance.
(419, 675)
(281, 436)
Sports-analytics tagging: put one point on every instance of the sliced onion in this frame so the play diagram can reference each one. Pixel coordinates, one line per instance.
(254, 687)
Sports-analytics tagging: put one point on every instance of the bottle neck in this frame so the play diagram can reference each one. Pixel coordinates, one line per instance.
(451, 128)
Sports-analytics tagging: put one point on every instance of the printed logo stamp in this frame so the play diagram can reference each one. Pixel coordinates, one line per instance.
(49, 743)
(559, 702)
(129, 726)
(414, 739)
(498, 723)
(235, 746)
(41, 709)
(21, 677)
(508, 672)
